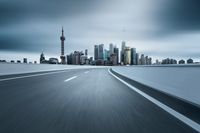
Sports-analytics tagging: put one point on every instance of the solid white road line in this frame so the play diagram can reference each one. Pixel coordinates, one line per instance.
(70, 78)
(176, 114)
(86, 72)
(33, 75)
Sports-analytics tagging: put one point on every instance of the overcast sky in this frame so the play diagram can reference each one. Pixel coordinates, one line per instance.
(158, 28)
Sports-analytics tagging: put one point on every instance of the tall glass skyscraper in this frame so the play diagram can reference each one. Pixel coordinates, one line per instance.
(133, 56)
(101, 52)
(96, 51)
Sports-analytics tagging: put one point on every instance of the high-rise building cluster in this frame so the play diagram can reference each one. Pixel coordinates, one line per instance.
(128, 56)
(79, 58)
(103, 56)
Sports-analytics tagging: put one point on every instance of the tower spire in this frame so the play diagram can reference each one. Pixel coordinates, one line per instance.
(62, 31)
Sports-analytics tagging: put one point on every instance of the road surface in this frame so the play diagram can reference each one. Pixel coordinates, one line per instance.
(79, 101)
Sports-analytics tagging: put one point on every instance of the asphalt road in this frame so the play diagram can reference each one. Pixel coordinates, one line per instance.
(79, 101)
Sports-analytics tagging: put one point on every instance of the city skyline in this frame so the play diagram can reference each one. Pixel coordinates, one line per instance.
(35, 57)
(155, 28)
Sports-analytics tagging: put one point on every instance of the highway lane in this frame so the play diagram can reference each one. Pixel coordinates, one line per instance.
(77, 101)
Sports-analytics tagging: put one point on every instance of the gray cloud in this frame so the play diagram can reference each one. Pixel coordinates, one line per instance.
(179, 15)
(35, 25)
(20, 10)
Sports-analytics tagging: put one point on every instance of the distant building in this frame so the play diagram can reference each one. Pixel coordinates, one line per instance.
(189, 61)
(83, 59)
(116, 52)
(4, 61)
(76, 58)
(86, 53)
(87, 61)
(91, 59)
(18, 61)
(133, 56)
(111, 48)
(69, 58)
(149, 61)
(169, 61)
(158, 62)
(137, 58)
(106, 55)
(52, 61)
(25, 60)
(42, 59)
(101, 52)
(181, 62)
(142, 60)
(122, 52)
(173, 61)
(113, 59)
(96, 52)
(146, 60)
(127, 56)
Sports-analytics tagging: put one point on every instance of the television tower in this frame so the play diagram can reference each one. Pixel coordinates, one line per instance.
(62, 56)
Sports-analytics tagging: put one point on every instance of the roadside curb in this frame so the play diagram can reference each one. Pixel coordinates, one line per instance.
(182, 106)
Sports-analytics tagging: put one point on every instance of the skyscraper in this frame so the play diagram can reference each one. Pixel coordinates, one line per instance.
(142, 59)
(137, 58)
(127, 56)
(111, 48)
(122, 52)
(146, 60)
(106, 54)
(69, 58)
(116, 52)
(86, 52)
(113, 59)
(123, 45)
(150, 61)
(62, 56)
(76, 57)
(101, 52)
(96, 52)
(133, 56)
(99, 55)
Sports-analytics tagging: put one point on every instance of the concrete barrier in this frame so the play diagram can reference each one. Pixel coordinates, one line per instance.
(183, 81)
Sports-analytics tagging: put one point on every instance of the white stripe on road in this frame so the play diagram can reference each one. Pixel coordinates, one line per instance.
(176, 114)
(33, 75)
(86, 72)
(70, 78)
